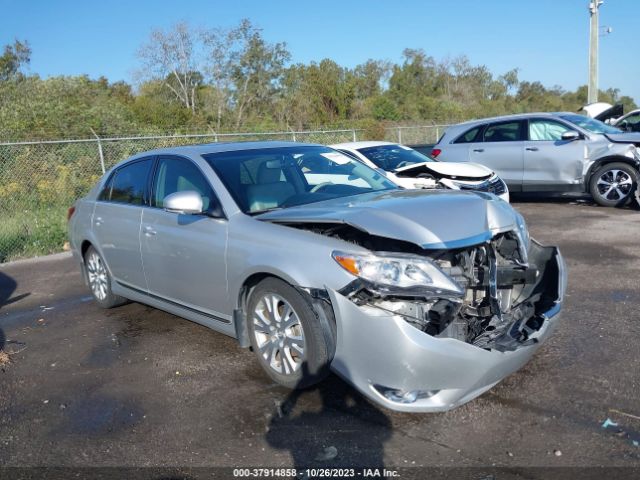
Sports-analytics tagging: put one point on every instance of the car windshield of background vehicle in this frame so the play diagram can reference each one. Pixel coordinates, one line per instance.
(391, 157)
(272, 178)
(589, 124)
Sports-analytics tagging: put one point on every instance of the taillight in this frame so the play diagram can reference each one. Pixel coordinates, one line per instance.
(70, 212)
(435, 152)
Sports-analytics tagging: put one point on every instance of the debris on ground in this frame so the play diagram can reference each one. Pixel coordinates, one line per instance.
(329, 453)
(557, 453)
(609, 423)
(5, 359)
(620, 412)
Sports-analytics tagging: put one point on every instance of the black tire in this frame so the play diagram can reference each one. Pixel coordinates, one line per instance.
(608, 175)
(99, 280)
(287, 366)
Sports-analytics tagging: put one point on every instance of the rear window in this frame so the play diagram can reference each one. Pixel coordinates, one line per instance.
(391, 157)
(469, 136)
(128, 183)
(503, 132)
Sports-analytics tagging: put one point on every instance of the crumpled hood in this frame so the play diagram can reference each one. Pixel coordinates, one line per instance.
(624, 137)
(429, 218)
(447, 169)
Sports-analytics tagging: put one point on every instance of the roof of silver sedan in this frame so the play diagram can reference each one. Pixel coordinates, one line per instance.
(205, 148)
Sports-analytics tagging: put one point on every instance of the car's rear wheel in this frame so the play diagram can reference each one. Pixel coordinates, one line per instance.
(294, 345)
(613, 185)
(99, 280)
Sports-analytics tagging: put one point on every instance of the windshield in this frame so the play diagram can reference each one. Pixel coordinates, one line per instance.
(272, 178)
(391, 157)
(589, 124)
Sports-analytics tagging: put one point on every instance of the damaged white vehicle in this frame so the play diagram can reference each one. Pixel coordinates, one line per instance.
(421, 299)
(614, 115)
(411, 169)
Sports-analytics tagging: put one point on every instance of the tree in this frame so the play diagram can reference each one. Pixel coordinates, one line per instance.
(13, 59)
(257, 70)
(176, 56)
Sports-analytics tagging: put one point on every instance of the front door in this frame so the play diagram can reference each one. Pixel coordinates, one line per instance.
(551, 163)
(184, 255)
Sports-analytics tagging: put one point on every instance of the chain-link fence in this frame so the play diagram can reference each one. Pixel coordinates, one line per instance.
(39, 181)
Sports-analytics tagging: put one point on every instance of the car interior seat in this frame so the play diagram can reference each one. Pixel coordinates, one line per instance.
(270, 190)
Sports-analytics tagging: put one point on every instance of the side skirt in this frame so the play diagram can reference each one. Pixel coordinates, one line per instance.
(219, 324)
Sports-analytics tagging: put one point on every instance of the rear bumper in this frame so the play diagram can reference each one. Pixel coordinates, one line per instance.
(377, 350)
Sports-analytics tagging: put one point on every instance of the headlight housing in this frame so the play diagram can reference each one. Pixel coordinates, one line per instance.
(397, 271)
(525, 238)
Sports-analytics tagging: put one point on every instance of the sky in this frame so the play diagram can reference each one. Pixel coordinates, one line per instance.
(547, 40)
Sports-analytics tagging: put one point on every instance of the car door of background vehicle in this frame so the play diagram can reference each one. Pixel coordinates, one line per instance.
(501, 150)
(116, 221)
(184, 255)
(551, 163)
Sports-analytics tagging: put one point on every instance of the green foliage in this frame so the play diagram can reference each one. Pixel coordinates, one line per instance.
(13, 59)
(28, 233)
(234, 80)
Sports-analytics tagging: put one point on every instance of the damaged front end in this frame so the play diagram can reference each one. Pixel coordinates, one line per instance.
(497, 298)
(428, 329)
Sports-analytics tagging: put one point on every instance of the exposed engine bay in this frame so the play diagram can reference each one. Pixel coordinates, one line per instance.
(505, 288)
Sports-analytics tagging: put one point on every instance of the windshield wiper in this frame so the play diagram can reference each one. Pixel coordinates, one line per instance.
(265, 210)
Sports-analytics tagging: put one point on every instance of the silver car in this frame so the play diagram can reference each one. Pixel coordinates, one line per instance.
(550, 152)
(421, 299)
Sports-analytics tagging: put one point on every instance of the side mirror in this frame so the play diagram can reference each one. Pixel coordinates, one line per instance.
(187, 202)
(571, 135)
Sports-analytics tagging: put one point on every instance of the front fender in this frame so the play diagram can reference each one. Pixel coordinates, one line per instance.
(596, 164)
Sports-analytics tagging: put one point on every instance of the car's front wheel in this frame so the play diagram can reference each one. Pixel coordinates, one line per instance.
(613, 185)
(99, 280)
(294, 344)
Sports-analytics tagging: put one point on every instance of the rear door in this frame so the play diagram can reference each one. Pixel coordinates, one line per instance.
(551, 163)
(500, 147)
(184, 255)
(116, 221)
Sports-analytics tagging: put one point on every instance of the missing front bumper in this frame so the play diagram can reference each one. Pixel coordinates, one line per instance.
(378, 351)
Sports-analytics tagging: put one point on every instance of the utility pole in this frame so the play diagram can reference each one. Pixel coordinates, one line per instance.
(592, 95)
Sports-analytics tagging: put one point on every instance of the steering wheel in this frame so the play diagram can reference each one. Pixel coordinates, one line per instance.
(319, 186)
(402, 164)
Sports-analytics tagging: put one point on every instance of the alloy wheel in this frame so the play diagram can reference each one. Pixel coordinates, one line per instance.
(97, 276)
(614, 185)
(278, 334)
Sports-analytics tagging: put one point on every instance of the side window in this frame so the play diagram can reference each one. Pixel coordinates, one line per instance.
(546, 130)
(469, 136)
(128, 184)
(176, 174)
(633, 121)
(105, 193)
(503, 132)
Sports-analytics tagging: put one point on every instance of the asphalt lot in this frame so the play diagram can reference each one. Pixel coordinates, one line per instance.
(136, 386)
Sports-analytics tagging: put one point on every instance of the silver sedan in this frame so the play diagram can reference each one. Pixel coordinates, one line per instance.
(420, 299)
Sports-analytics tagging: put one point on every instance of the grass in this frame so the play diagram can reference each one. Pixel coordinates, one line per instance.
(5, 359)
(32, 232)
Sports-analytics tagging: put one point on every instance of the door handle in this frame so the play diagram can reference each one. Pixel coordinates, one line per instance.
(97, 221)
(479, 150)
(532, 149)
(149, 232)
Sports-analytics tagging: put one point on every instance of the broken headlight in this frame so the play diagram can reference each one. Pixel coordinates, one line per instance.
(396, 270)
